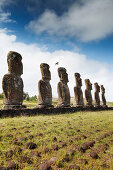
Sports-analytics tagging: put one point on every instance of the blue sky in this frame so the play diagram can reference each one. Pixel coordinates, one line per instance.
(52, 26)
(23, 12)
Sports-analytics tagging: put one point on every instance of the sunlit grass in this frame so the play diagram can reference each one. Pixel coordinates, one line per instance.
(68, 128)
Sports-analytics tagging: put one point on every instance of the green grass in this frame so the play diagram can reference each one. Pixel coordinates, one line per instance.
(1, 103)
(30, 104)
(16, 132)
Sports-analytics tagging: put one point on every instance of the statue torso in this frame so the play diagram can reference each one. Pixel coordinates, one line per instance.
(45, 93)
(63, 94)
(13, 89)
(88, 97)
(78, 96)
(96, 98)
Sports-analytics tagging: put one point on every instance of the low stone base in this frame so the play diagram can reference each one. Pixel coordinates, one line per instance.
(89, 106)
(78, 106)
(97, 106)
(44, 106)
(104, 106)
(7, 107)
(47, 111)
(63, 106)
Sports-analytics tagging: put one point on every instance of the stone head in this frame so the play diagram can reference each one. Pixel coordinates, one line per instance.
(14, 61)
(87, 83)
(90, 86)
(63, 74)
(102, 89)
(78, 79)
(97, 87)
(46, 74)
(77, 75)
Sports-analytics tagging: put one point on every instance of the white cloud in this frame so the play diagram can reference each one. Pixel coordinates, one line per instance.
(4, 3)
(72, 61)
(5, 16)
(92, 20)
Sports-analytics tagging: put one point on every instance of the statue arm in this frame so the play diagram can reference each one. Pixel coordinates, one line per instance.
(86, 95)
(59, 90)
(5, 86)
(41, 90)
(22, 89)
(64, 95)
(76, 94)
(96, 95)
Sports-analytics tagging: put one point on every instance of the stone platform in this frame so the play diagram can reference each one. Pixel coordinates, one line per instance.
(45, 111)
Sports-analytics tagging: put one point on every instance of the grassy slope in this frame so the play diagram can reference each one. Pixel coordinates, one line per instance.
(16, 132)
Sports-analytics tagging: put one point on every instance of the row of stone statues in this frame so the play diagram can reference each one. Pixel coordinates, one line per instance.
(12, 85)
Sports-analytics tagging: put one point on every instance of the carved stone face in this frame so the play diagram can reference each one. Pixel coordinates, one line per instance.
(87, 83)
(65, 77)
(63, 74)
(102, 89)
(78, 80)
(14, 61)
(97, 87)
(46, 74)
(90, 86)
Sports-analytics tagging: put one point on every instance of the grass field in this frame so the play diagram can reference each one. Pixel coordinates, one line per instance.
(82, 140)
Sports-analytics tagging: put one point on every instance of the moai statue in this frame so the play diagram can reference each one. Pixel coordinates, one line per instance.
(12, 82)
(103, 96)
(78, 99)
(96, 95)
(44, 87)
(88, 95)
(62, 88)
